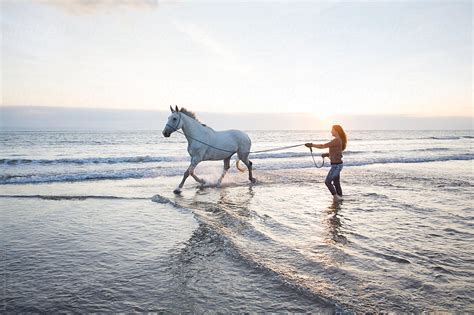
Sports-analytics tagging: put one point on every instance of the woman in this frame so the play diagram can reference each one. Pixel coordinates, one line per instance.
(336, 146)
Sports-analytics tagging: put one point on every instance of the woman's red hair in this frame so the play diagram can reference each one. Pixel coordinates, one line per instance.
(342, 135)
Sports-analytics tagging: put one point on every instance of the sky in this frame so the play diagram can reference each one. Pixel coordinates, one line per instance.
(324, 59)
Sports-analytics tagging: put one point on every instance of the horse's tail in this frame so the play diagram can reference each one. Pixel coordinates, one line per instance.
(237, 165)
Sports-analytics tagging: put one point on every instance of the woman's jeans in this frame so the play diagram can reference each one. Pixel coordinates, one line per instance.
(333, 179)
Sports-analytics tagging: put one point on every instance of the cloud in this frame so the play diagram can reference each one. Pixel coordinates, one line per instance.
(204, 40)
(96, 6)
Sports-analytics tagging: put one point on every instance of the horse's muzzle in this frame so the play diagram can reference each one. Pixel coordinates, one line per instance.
(166, 133)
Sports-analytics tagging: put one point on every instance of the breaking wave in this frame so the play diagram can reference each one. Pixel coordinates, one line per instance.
(94, 160)
(300, 161)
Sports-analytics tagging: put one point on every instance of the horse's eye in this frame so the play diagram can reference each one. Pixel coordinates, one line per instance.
(174, 119)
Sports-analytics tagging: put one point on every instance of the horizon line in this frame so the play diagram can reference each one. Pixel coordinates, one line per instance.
(227, 113)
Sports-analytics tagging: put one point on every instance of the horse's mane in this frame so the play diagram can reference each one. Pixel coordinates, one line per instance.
(192, 115)
(189, 113)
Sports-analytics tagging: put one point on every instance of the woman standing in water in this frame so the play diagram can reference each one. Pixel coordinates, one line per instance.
(336, 146)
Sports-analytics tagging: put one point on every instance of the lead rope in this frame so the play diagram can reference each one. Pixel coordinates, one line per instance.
(314, 161)
(261, 151)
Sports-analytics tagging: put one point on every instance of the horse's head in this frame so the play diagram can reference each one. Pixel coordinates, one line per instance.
(174, 122)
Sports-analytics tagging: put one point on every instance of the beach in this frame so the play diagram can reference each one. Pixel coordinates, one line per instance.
(90, 224)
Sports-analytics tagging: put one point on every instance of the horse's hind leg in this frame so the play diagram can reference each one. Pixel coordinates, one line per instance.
(245, 158)
(226, 168)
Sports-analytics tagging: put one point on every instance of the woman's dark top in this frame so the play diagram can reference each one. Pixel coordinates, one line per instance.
(335, 150)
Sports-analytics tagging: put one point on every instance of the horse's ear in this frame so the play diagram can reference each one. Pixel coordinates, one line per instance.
(176, 108)
(171, 109)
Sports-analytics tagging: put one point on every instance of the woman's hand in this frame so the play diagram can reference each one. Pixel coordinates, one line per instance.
(309, 144)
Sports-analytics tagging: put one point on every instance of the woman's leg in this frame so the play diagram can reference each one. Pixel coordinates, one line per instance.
(330, 178)
(337, 181)
(337, 185)
(334, 177)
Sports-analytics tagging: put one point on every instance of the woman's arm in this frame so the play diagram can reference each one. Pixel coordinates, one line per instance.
(312, 145)
(322, 146)
(319, 146)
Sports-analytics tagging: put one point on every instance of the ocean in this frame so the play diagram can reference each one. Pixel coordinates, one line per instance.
(90, 224)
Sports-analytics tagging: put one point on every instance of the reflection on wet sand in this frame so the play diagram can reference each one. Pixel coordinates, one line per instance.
(333, 224)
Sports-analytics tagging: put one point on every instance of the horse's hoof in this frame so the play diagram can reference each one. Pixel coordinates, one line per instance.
(177, 191)
(253, 180)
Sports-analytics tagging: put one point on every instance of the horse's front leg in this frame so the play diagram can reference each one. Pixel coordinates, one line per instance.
(195, 160)
(185, 176)
(191, 172)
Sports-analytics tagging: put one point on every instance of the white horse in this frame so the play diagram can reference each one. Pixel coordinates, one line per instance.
(205, 144)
